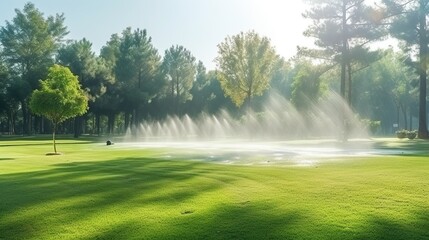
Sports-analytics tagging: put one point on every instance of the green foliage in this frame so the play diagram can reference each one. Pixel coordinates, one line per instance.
(306, 88)
(180, 70)
(29, 43)
(282, 77)
(401, 133)
(246, 62)
(372, 125)
(109, 103)
(404, 19)
(8, 104)
(207, 94)
(31, 31)
(129, 82)
(136, 69)
(412, 134)
(135, 64)
(92, 72)
(60, 96)
(409, 24)
(343, 29)
(384, 91)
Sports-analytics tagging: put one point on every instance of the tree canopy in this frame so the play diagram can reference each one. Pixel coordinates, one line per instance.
(342, 30)
(60, 97)
(29, 43)
(246, 62)
(130, 81)
(180, 69)
(409, 24)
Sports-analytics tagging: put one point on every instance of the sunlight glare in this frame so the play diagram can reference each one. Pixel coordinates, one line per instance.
(282, 22)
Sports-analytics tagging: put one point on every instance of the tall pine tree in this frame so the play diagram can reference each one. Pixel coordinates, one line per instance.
(408, 20)
(30, 41)
(342, 30)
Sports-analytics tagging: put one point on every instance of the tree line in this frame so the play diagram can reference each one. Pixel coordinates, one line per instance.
(129, 81)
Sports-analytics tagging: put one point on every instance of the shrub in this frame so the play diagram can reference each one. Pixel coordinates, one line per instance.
(411, 134)
(401, 133)
(372, 125)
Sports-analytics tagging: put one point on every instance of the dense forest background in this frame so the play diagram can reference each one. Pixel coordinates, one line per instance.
(130, 81)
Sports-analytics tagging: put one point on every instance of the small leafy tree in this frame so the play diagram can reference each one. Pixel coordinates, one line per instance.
(245, 63)
(60, 97)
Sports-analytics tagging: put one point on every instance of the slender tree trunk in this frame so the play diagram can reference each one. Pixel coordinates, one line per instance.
(42, 125)
(140, 80)
(248, 101)
(343, 52)
(404, 112)
(172, 107)
(97, 123)
(36, 125)
(111, 123)
(77, 126)
(25, 121)
(349, 83)
(93, 124)
(126, 120)
(54, 128)
(423, 130)
(11, 122)
(31, 123)
(177, 96)
(136, 117)
(74, 129)
(344, 64)
(411, 119)
(397, 115)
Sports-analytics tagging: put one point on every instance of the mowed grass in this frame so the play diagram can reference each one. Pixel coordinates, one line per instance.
(98, 192)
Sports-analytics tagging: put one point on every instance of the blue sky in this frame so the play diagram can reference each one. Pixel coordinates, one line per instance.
(198, 25)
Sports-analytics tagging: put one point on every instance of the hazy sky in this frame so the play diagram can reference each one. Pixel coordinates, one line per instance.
(198, 25)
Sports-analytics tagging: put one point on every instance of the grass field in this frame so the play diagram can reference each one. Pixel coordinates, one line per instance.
(97, 192)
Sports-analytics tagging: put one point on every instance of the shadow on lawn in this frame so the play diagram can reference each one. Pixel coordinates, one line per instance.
(250, 222)
(383, 228)
(90, 189)
(229, 222)
(47, 142)
(415, 147)
(101, 184)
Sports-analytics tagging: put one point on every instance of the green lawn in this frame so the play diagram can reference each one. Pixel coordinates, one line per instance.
(99, 192)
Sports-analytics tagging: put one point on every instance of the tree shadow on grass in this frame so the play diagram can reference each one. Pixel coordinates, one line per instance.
(416, 147)
(26, 198)
(227, 222)
(26, 144)
(257, 221)
(46, 143)
(383, 228)
(69, 193)
(46, 140)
